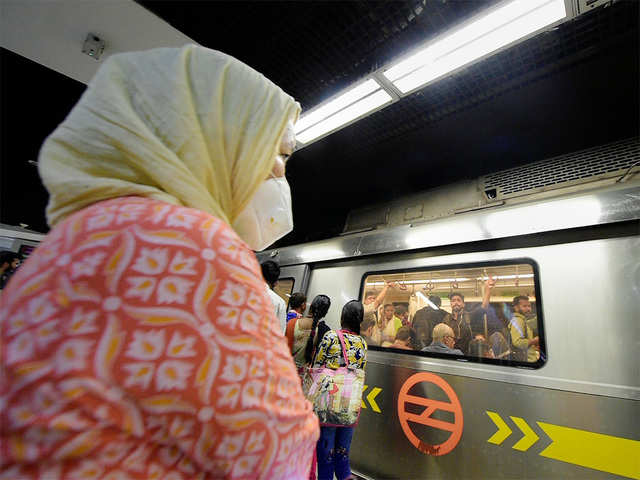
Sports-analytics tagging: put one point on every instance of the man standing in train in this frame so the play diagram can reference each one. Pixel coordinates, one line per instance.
(460, 321)
(524, 343)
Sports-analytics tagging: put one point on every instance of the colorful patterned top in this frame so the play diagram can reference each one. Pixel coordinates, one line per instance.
(329, 351)
(138, 342)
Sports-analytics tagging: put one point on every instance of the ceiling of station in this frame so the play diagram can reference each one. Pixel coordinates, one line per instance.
(566, 89)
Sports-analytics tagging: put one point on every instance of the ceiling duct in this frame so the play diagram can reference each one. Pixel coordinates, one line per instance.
(584, 166)
(585, 169)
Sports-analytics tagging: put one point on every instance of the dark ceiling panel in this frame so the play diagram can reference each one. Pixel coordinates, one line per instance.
(313, 49)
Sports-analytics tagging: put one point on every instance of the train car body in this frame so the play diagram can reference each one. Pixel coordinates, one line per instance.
(572, 413)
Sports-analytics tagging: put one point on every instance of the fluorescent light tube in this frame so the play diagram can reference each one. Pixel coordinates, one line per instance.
(495, 30)
(429, 302)
(458, 38)
(508, 277)
(358, 109)
(352, 95)
(415, 282)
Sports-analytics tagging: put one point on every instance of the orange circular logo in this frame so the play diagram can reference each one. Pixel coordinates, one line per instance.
(424, 418)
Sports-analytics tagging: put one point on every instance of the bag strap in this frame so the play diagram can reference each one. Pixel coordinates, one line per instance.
(344, 349)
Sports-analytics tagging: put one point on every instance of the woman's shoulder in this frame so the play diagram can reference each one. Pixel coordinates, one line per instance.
(354, 338)
(149, 237)
(330, 336)
(165, 225)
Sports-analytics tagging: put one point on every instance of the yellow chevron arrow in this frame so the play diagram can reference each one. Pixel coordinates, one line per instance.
(616, 455)
(364, 405)
(529, 438)
(503, 429)
(370, 398)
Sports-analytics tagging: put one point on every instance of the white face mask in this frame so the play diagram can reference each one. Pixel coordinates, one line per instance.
(268, 215)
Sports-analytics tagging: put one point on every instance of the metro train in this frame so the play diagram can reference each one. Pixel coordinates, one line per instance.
(573, 412)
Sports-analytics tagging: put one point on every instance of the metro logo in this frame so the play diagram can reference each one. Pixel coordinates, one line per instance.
(431, 406)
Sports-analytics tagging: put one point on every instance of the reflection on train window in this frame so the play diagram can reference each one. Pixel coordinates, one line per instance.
(284, 287)
(482, 312)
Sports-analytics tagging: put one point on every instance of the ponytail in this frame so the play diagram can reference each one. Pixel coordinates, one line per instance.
(319, 308)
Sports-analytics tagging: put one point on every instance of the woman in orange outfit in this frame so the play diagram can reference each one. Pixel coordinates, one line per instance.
(138, 341)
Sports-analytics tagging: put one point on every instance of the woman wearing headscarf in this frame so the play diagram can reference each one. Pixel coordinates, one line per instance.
(138, 341)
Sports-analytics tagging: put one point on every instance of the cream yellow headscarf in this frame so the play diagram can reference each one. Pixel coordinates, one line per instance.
(188, 126)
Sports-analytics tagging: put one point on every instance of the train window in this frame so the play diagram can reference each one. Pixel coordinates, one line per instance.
(284, 288)
(488, 312)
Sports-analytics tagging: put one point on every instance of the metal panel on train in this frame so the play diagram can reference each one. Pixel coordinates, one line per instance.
(505, 430)
(576, 417)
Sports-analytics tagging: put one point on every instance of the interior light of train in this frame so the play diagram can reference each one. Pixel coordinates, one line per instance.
(428, 302)
(350, 96)
(415, 282)
(478, 38)
(507, 277)
(344, 116)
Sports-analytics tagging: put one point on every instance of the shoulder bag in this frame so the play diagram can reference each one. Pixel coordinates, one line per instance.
(336, 395)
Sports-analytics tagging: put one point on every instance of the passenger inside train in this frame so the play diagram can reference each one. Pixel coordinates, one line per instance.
(482, 312)
(9, 263)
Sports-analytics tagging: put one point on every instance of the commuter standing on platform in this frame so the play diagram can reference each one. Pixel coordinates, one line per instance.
(271, 273)
(335, 442)
(138, 339)
(297, 306)
(303, 333)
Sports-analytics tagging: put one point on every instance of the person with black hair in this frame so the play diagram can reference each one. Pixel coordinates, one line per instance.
(402, 314)
(373, 300)
(426, 319)
(301, 332)
(271, 273)
(297, 306)
(403, 338)
(9, 263)
(367, 329)
(479, 347)
(526, 347)
(335, 442)
(317, 311)
(459, 320)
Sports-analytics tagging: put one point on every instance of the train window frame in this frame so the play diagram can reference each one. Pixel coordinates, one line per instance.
(544, 354)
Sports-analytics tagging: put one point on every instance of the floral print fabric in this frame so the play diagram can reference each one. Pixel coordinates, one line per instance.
(329, 352)
(138, 342)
